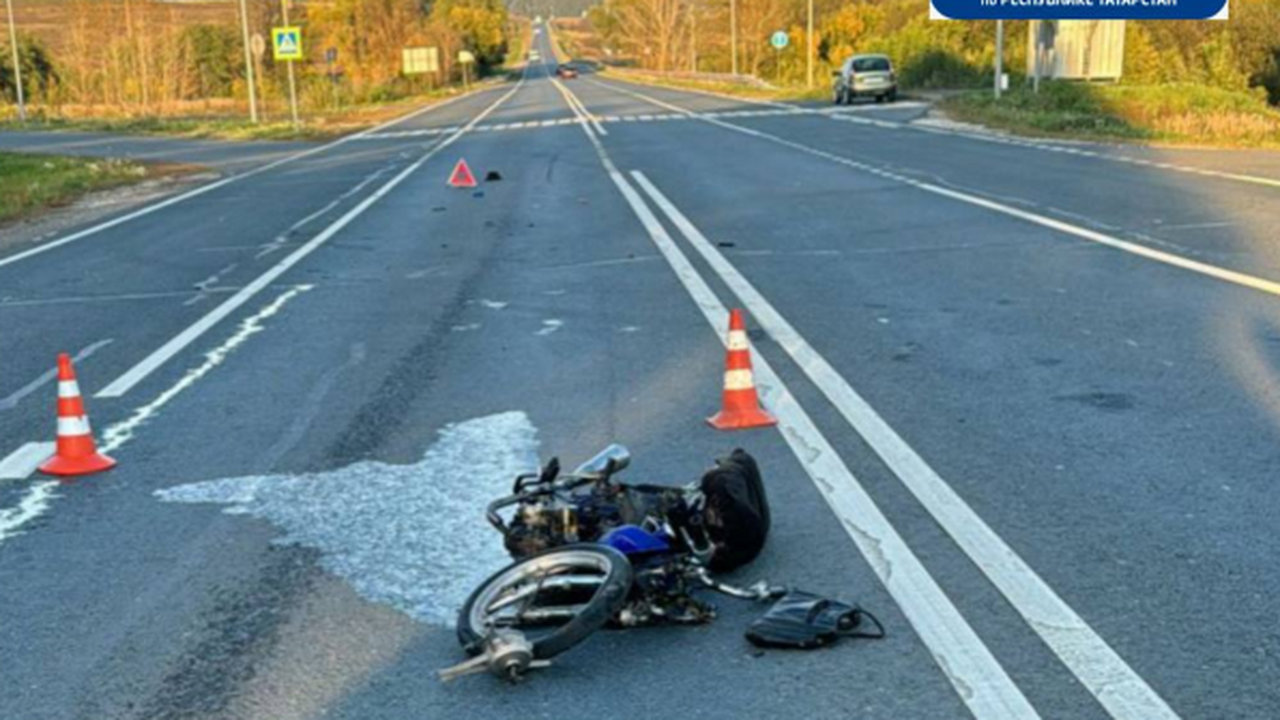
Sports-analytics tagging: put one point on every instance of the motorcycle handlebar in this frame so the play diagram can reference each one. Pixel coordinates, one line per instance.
(540, 487)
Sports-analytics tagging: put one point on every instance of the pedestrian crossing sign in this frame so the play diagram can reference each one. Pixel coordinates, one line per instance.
(286, 43)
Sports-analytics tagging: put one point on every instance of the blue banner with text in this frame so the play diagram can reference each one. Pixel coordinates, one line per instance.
(1077, 9)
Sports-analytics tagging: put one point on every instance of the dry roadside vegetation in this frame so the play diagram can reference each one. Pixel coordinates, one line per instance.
(1186, 82)
(1178, 113)
(138, 65)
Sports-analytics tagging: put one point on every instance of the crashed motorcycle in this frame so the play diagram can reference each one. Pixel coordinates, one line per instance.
(592, 551)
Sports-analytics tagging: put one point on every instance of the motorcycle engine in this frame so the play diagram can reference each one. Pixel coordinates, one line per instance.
(541, 524)
(544, 522)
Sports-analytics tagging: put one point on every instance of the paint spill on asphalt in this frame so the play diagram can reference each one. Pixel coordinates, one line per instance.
(411, 536)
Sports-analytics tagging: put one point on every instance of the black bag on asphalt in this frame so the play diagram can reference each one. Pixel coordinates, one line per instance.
(804, 621)
(737, 510)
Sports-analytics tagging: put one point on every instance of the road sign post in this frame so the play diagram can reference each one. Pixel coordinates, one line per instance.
(286, 46)
(465, 58)
(733, 33)
(17, 65)
(248, 63)
(779, 41)
(999, 57)
(293, 83)
(809, 50)
(286, 43)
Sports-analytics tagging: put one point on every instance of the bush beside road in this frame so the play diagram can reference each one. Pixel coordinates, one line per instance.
(1181, 113)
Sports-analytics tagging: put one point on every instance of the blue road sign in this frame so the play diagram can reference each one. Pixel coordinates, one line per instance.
(779, 40)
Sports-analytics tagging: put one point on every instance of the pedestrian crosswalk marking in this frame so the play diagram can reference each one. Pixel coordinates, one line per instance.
(645, 117)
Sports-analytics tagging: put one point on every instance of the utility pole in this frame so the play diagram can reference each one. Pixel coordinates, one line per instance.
(693, 38)
(248, 63)
(733, 33)
(810, 38)
(17, 64)
(293, 85)
(999, 57)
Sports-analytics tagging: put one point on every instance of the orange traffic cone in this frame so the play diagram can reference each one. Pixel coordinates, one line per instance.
(741, 403)
(461, 176)
(77, 454)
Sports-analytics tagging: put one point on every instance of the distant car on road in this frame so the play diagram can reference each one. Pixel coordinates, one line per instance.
(865, 75)
(567, 71)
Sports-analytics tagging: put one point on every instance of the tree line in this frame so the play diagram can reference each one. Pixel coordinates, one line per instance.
(694, 36)
(142, 57)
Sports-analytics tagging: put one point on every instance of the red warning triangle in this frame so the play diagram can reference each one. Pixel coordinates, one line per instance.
(461, 176)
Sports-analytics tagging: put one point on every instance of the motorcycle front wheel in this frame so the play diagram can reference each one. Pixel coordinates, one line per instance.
(556, 598)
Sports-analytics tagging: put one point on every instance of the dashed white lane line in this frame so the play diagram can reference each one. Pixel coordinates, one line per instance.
(24, 461)
(142, 212)
(1231, 276)
(148, 365)
(978, 678)
(16, 397)
(953, 129)
(596, 122)
(1101, 670)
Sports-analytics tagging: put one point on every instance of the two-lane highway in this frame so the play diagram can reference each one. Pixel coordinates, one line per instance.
(1026, 402)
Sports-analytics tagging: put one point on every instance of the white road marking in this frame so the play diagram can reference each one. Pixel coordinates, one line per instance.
(1200, 225)
(206, 285)
(1102, 671)
(149, 364)
(38, 497)
(142, 212)
(1220, 273)
(983, 685)
(16, 397)
(927, 126)
(24, 461)
(550, 326)
(283, 238)
(122, 432)
(123, 297)
(578, 108)
(32, 505)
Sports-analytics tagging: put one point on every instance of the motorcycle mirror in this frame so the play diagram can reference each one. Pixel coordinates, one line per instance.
(606, 462)
(550, 470)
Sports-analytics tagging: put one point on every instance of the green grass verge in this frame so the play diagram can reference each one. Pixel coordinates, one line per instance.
(29, 183)
(1175, 114)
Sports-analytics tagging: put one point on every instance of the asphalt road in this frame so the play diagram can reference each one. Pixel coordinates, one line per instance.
(1027, 395)
(210, 153)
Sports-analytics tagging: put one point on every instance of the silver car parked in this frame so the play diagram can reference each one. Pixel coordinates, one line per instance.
(865, 75)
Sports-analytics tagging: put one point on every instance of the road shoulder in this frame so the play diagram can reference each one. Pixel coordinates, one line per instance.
(39, 224)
